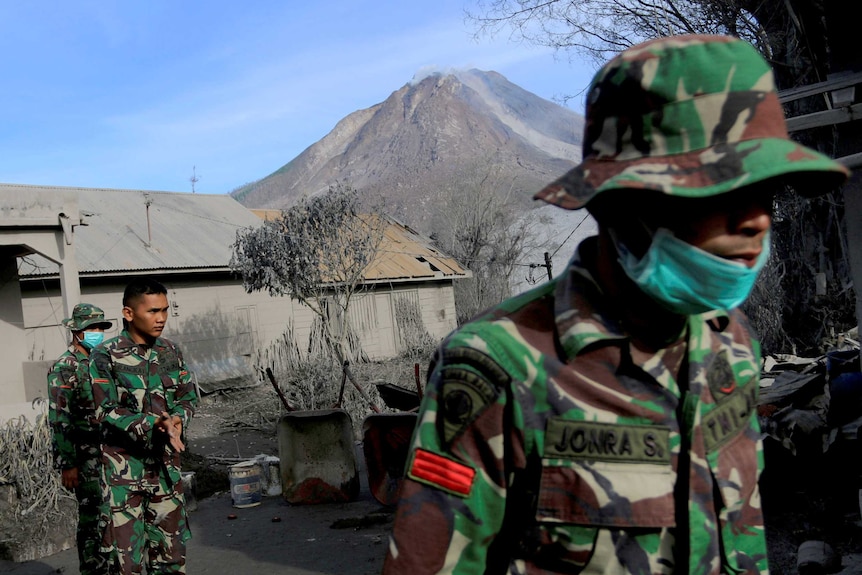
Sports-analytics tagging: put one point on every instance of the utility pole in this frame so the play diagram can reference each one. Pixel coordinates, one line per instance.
(548, 266)
(194, 179)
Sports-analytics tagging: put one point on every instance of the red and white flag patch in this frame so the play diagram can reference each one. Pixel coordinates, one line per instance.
(442, 472)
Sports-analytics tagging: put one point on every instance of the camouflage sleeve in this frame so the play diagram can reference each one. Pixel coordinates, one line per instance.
(61, 385)
(185, 397)
(85, 389)
(464, 452)
(111, 409)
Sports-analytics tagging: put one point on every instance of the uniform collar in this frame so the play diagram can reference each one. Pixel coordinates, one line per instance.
(128, 342)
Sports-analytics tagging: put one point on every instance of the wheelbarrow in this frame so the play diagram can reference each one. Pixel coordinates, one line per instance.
(398, 397)
(317, 457)
(386, 440)
(316, 451)
(385, 445)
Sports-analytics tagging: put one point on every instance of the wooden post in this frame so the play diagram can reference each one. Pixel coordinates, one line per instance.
(283, 399)
(358, 387)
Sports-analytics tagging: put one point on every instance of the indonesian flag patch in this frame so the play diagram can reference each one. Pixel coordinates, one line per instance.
(441, 472)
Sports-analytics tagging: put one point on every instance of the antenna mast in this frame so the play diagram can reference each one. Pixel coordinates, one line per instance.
(194, 179)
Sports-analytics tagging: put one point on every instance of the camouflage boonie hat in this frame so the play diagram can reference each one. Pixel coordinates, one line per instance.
(85, 315)
(690, 116)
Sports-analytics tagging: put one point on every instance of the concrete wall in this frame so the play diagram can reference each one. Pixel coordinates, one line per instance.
(35, 222)
(220, 327)
(13, 398)
(373, 315)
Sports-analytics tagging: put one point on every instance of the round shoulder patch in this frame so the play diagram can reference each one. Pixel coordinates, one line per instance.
(464, 395)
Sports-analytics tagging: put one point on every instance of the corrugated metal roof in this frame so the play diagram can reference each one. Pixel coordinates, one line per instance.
(404, 254)
(130, 230)
(141, 230)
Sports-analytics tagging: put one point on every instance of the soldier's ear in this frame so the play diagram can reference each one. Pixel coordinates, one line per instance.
(128, 313)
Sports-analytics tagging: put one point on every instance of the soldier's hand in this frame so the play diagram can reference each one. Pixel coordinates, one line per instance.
(166, 424)
(178, 424)
(70, 478)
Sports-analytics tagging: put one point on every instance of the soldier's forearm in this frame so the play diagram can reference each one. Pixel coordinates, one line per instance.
(138, 426)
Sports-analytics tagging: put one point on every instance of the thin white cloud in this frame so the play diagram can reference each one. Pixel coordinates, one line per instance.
(238, 101)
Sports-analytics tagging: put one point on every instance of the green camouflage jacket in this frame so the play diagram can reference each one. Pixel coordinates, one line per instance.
(70, 408)
(131, 388)
(547, 444)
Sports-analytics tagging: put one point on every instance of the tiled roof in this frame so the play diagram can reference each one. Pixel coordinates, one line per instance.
(404, 254)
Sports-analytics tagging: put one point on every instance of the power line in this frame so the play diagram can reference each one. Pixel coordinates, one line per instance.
(571, 234)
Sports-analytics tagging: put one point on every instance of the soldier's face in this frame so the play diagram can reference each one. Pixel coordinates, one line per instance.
(146, 317)
(731, 226)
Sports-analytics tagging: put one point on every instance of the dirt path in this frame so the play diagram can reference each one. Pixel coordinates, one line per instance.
(327, 539)
(331, 539)
(351, 538)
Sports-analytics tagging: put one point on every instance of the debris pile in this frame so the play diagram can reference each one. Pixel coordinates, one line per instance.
(810, 413)
(37, 516)
(812, 403)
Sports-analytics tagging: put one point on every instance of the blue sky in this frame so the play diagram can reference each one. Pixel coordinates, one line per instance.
(135, 94)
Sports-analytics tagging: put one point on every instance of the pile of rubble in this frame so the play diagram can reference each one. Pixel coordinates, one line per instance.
(805, 400)
(810, 412)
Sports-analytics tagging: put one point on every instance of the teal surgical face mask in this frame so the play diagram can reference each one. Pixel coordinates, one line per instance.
(688, 280)
(92, 338)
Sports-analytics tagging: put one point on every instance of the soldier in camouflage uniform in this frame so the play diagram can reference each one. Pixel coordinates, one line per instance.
(605, 422)
(75, 434)
(144, 399)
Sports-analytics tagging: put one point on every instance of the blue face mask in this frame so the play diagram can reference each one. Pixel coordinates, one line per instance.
(687, 280)
(92, 338)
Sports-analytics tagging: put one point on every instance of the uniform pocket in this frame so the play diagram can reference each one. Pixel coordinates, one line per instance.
(606, 474)
(735, 470)
(131, 384)
(581, 502)
(605, 494)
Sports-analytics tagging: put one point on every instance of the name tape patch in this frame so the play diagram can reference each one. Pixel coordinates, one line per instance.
(607, 441)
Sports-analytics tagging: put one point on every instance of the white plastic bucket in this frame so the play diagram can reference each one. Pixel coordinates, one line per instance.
(245, 484)
(270, 475)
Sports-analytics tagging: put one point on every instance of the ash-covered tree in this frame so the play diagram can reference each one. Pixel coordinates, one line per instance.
(794, 36)
(317, 252)
(804, 41)
(787, 32)
(488, 224)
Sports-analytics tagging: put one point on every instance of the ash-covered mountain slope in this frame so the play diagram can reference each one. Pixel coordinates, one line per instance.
(442, 134)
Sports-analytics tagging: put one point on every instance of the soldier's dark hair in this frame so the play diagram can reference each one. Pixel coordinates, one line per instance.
(142, 286)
